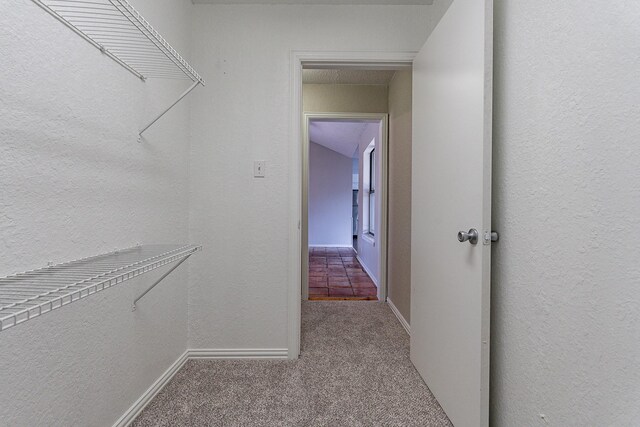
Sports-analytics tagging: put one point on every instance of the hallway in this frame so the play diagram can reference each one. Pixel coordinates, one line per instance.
(359, 375)
(336, 274)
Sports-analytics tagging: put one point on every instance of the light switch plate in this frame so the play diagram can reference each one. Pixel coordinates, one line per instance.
(259, 168)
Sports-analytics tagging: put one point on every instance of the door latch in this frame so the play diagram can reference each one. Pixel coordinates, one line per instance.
(490, 236)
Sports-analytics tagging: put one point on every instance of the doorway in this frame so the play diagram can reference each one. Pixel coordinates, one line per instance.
(298, 241)
(372, 247)
(345, 161)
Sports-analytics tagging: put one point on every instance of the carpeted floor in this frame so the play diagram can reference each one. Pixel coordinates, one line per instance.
(354, 371)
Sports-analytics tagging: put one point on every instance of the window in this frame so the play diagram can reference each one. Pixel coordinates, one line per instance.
(369, 190)
(372, 191)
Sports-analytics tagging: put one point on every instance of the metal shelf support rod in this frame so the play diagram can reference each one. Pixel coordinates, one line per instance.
(185, 93)
(159, 280)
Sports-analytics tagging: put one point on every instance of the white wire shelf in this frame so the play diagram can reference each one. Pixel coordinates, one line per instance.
(118, 30)
(25, 296)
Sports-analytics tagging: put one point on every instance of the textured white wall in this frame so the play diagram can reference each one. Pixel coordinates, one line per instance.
(238, 296)
(76, 183)
(330, 197)
(566, 300)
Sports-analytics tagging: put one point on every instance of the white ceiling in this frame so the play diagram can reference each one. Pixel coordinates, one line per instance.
(348, 77)
(306, 2)
(339, 136)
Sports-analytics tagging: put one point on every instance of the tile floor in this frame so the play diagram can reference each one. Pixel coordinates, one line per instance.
(336, 274)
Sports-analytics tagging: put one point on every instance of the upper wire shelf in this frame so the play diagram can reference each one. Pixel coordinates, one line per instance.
(25, 296)
(118, 30)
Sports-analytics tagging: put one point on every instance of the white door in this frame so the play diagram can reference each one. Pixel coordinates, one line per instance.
(452, 85)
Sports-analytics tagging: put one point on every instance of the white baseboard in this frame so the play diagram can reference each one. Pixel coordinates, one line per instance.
(147, 396)
(365, 268)
(400, 317)
(331, 246)
(151, 392)
(244, 353)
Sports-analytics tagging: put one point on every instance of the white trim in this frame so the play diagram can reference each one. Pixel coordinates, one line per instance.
(135, 409)
(294, 304)
(238, 353)
(331, 246)
(318, 59)
(400, 317)
(363, 60)
(366, 269)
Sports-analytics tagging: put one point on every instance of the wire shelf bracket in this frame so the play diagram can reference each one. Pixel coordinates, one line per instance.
(28, 295)
(135, 301)
(120, 32)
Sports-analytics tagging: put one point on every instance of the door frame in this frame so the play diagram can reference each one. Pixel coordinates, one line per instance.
(369, 60)
(383, 119)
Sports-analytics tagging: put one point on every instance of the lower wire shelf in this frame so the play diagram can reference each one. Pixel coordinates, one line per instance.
(25, 296)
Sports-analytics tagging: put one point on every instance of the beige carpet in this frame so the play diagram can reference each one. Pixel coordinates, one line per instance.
(354, 371)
